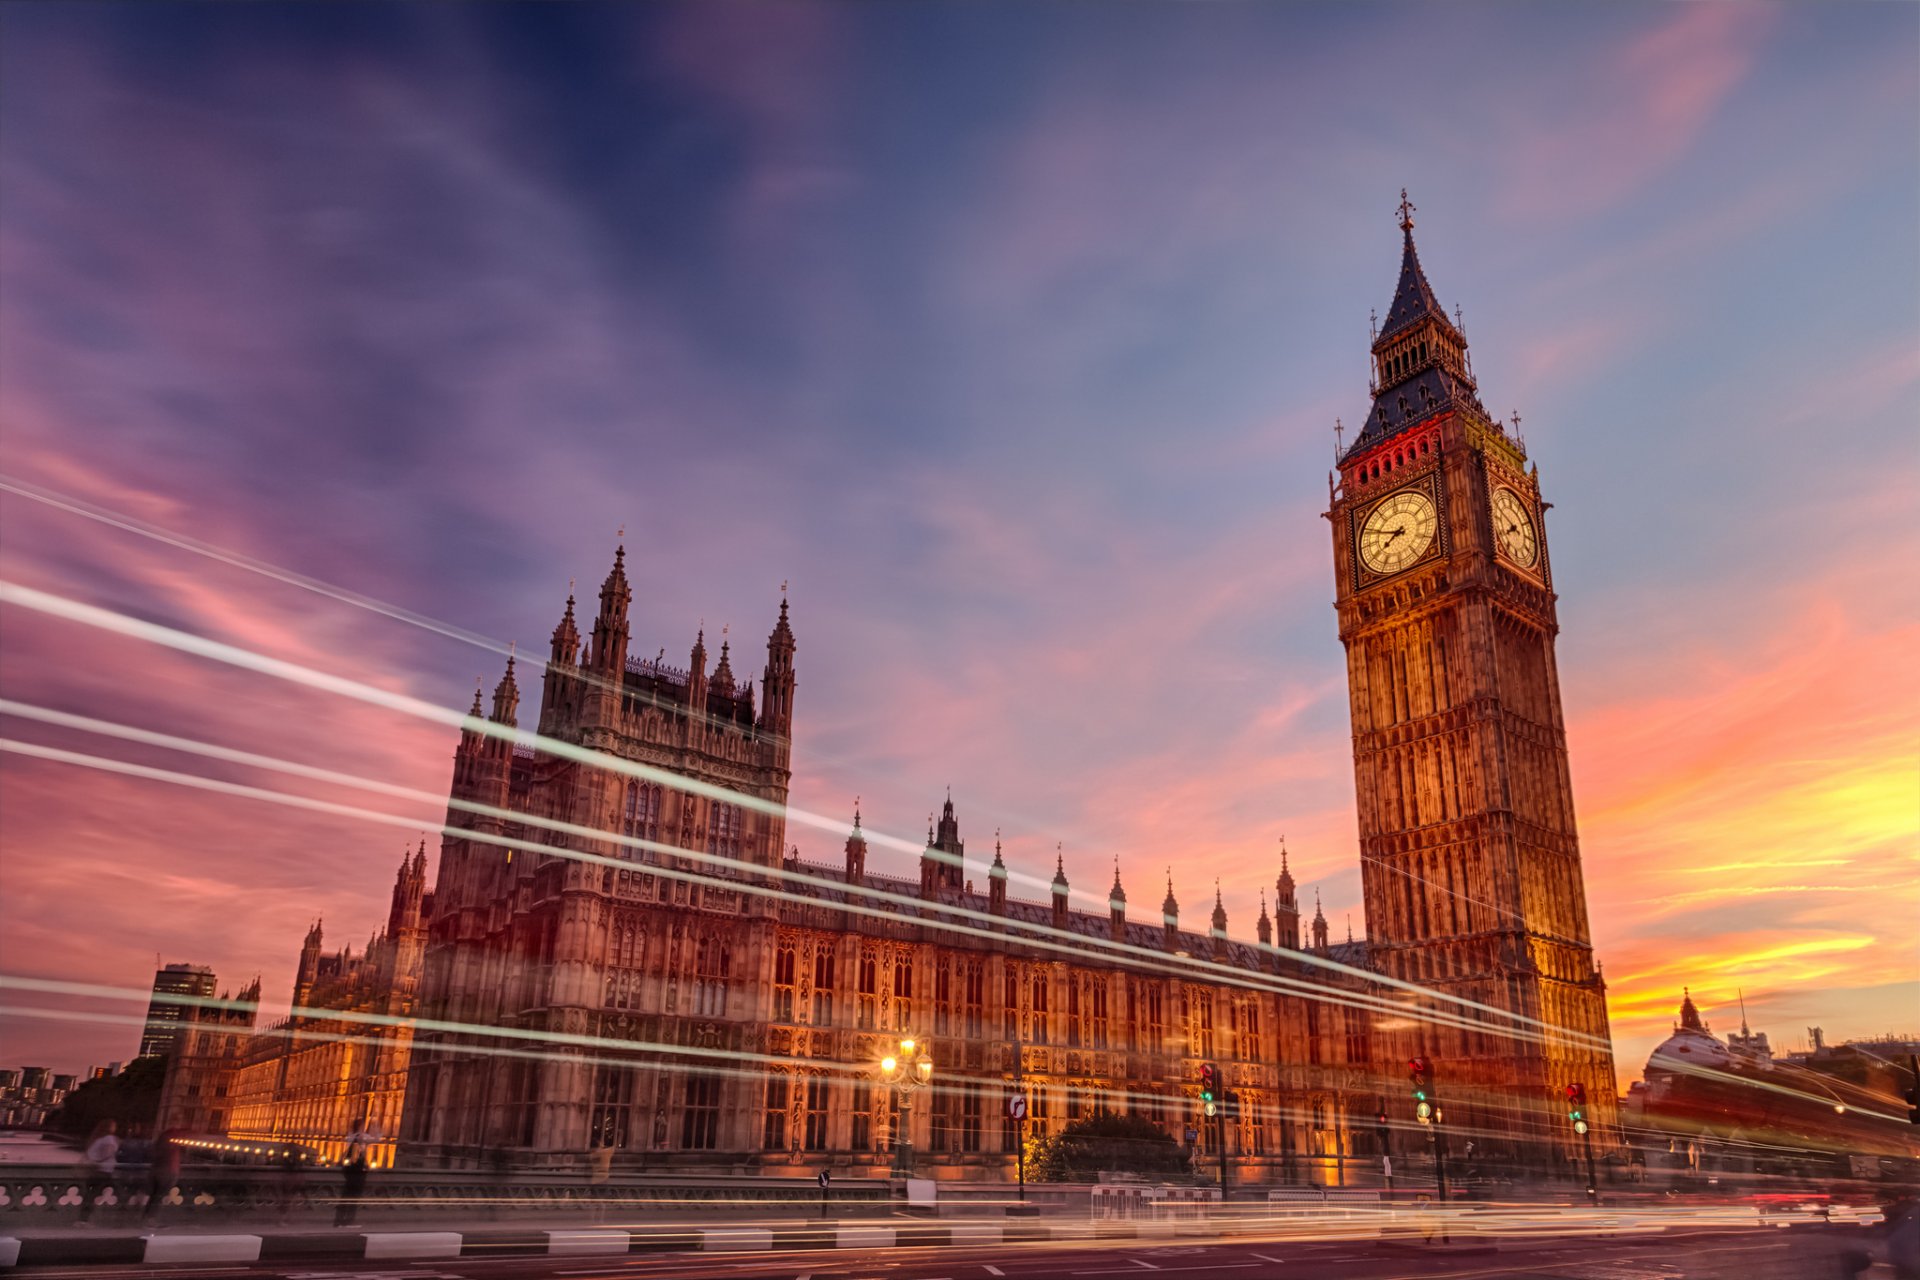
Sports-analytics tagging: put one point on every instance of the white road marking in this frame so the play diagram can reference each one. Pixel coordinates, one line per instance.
(1266, 1257)
(995, 1270)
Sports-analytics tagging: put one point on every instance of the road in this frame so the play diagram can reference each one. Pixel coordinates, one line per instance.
(1721, 1254)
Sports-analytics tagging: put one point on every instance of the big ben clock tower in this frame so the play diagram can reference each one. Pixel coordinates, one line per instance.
(1470, 860)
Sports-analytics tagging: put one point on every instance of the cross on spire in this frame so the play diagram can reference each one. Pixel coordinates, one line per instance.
(1406, 212)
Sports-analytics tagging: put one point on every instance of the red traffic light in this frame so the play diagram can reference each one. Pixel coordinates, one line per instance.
(1577, 1094)
(1419, 1066)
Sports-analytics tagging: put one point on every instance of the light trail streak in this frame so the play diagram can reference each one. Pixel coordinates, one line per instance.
(652, 1055)
(92, 615)
(911, 907)
(1044, 937)
(278, 573)
(168, 637)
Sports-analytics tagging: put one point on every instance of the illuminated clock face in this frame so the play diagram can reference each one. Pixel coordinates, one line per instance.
(1398, 531)
(1513, 528)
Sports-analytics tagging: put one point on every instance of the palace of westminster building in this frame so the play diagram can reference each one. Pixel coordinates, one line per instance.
(622, 949)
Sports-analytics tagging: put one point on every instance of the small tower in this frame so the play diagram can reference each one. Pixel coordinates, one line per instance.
(776, 713)
(1320, 943)
(1170, 914)
(561, 660)
(506, 698)
(409, 893)
(697, 677)
(997, 881)
(723, 671)
(609, 653)
(309, 970)
(1117, 907)
(943, 864)
(1059, 888)
(1286, 909)
(1263, 927)
(856, 851)
(1219, 931)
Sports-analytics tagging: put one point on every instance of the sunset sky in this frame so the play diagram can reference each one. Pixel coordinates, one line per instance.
(1013, 337)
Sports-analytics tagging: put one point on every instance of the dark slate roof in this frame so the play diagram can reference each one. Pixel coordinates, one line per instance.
(1413, 298)
(1443, 391)
(1088, 924)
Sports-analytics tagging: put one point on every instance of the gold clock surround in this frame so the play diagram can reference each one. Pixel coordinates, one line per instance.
(1515, 531)
(1398, 531)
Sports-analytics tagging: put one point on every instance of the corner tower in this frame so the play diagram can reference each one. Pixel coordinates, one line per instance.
(1470, 862)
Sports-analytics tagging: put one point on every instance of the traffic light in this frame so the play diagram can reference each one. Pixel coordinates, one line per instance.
(1421, 1072)
(1209, 1082)
(1577, 1106)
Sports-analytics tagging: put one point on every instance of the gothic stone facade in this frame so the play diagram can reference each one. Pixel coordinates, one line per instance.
(689, 993)
(1470, 863)
(337, 1064)
(693, 1011)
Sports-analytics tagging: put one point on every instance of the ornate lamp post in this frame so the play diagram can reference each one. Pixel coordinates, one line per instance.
(906, 1074)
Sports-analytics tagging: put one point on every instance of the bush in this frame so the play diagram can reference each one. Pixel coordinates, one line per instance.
(1104, 1143)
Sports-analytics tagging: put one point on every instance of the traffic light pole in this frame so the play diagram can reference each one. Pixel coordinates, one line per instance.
(1439, 1157)
(1220, 1119)
(1593, 1187)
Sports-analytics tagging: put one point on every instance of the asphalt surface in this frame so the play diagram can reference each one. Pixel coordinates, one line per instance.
(1694, 1255)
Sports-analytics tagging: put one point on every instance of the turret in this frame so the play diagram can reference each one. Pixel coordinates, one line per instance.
(1059, 889)
(1320, 943)
(723, 673)
(997, 881)
(309, 968)
(697, 677)
(1170, 915)
(1263, 927)
(506, 698)
(1117, 907)
(942, 865)
(776, 715)
(608, 655)
(561, 659)
(1219, 922)
(1286, 908)
(409, 892)
(856, 851)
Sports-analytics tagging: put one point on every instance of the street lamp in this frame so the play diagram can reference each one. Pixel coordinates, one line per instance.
(912, 1070)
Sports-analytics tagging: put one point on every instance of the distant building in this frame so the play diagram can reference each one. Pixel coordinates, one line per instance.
(197, 1095)
(315, 1079)
(1708, 1107)
(30, 1095)
(175, 988)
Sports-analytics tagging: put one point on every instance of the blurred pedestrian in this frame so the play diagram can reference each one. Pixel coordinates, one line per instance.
(163, 1171)
(599, 1169)
(289, 1190)
(98, 1163)
(499, 1171)
(353, 1179)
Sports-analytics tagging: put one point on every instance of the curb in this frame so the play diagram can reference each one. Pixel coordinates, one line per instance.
(309, 1246)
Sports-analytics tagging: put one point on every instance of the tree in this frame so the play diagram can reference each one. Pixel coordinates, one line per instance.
(1104, 1143)
(130, 1099)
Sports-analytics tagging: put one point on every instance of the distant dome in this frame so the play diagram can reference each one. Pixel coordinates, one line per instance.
(1690, 1046)
(1689, 1049)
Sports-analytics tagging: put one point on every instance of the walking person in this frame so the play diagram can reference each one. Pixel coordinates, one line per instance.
(102, 1157)
(163, 1171)
(599, 1169)
(353, 1179)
